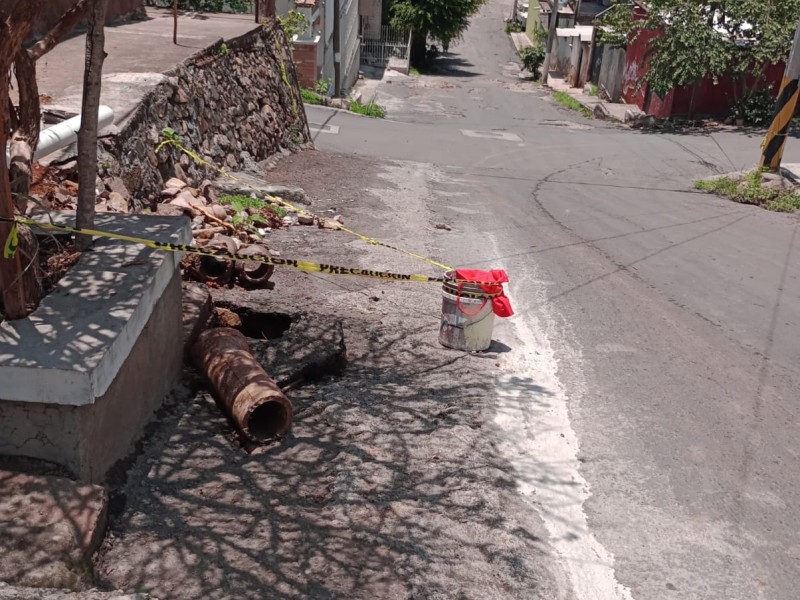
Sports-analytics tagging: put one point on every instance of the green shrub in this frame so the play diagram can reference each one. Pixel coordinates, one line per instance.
(540, 35)
(323, 87)
(756, 108)
(310, 97)
(749, 190)
(568, 101)
(532, 57)
(513, 27)
(371, 109)
(268, 214)
(293, 23)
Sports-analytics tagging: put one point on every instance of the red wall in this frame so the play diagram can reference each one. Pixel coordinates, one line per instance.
(305, 61)
(711, 98)
(636, 66)
(715, 99)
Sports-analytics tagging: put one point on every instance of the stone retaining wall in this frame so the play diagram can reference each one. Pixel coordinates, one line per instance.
(234, 104)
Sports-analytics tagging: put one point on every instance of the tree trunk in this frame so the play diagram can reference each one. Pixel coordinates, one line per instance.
(26, 135)
(419, 48)
(175, 22)
(87, 135)
(10, 269)
(25, 129)
(16, 19)
(61, 29)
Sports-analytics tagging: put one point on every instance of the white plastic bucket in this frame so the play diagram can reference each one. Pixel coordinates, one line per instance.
(467, 321)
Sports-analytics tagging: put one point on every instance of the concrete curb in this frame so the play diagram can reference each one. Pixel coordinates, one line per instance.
(520, 40)
(349, 112)
(600, 109)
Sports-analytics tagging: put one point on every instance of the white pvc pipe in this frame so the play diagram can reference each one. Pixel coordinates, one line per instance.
(65, 133)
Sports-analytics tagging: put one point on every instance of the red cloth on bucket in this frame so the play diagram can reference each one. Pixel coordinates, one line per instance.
(500, 304)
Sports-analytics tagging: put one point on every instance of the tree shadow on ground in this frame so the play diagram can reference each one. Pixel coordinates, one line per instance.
(451, 65)
(390, 485)
(683, 129)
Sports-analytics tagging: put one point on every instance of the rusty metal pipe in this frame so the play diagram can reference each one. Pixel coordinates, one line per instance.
(252, 398)
(254, 274)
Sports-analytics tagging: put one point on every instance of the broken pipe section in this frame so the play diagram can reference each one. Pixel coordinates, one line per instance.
(253, 399)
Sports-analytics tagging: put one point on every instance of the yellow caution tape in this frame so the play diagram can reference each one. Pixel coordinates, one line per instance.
(301, 265)
(173, 140)
(12, 243)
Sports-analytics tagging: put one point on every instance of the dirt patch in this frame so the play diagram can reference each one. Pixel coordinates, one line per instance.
(333, 180)
(56, 257)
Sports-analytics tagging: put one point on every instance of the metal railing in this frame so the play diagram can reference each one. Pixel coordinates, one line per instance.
(392, 43)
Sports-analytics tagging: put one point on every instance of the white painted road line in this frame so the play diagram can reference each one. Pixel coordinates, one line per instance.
(182, 36)
(316, 127)
(504, 136)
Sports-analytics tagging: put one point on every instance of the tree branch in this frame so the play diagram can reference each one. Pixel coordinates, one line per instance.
(26, 133)
(64, 26)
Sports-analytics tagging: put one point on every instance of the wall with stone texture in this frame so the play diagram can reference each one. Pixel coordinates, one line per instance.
(229, 103)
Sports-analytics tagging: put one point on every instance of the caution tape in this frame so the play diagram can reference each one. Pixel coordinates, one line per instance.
(172, 139)
(305, 266)
(12, 242)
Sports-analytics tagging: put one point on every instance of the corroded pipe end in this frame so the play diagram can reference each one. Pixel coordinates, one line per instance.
(268, 416)
(258, 407)
(254, 274)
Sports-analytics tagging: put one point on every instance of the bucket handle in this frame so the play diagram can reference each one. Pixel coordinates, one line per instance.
(458, 304)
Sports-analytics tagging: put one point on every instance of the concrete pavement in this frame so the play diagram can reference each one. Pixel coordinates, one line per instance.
(138, 53)
(648, 402)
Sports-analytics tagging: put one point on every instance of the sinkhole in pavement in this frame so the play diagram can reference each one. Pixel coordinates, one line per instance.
(260, 325)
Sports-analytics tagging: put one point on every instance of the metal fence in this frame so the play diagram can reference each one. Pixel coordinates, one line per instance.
(392, 43)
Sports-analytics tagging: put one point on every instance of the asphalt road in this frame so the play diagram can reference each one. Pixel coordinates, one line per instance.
(649, 400)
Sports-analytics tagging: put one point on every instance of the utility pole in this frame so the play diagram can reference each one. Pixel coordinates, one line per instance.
(551, 40)
(337, 50)
(774, 143)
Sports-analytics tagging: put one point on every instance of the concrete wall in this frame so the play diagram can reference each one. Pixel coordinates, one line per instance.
(610, 66)
(534, 21)
(370, 13)
(231, 108)
(89, 439)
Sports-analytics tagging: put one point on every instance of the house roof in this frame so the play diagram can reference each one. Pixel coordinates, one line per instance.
(547, 8)
(584, 31)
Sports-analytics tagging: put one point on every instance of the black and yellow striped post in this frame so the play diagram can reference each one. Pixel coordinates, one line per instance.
(774, 143)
